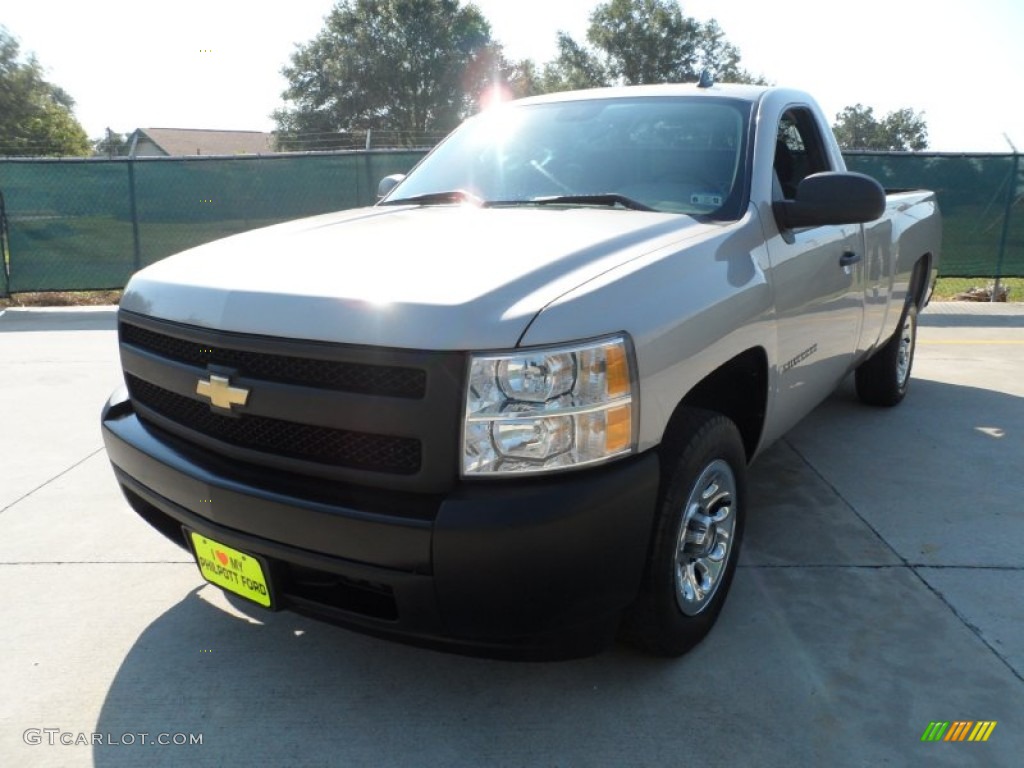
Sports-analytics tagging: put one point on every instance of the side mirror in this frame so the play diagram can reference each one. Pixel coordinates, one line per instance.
(388, 183)
(832, 198)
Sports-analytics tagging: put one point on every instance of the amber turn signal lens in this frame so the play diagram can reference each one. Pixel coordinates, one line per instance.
(618, 435)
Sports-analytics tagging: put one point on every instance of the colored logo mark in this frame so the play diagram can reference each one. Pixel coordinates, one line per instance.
(959, 730)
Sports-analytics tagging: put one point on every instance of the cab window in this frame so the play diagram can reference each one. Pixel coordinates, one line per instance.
(799, 151)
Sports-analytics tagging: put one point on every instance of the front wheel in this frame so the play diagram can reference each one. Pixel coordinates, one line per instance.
(697, 536)
(883, 378)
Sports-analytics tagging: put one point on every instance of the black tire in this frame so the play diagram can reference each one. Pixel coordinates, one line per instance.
(708, 452)
(884, 377)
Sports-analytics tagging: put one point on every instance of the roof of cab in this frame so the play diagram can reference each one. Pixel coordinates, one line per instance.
(752, 93)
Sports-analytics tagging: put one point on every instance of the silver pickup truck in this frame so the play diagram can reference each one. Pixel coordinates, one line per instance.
(509, 409)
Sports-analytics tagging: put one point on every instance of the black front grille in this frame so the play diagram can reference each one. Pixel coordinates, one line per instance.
(343, 376)
(323, 445)
(360, 416)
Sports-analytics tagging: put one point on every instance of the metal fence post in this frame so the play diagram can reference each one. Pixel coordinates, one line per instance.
(5, 268)
(136, 251)
(1011, 198)
(370, 196)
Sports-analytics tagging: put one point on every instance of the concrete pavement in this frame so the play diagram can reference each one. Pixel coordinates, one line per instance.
(880, 589)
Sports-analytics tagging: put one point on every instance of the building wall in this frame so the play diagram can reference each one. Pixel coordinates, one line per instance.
(146, 148)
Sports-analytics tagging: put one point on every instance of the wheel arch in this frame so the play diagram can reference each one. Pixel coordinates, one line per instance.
(922, 281)
(737, 389)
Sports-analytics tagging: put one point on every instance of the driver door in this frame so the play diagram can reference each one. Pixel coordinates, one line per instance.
(818, 279)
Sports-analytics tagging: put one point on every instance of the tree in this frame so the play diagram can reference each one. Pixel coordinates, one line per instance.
(645, 41)
(490, 72)
(573, 68)
(902, 130)
(112, 144)
(523, 78)
(634, 42)
(906, 130)
(722, 58)
(36, 116)
(410, 66)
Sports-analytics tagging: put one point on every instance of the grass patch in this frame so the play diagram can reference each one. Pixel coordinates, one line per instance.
(948, 287)
(61, 299)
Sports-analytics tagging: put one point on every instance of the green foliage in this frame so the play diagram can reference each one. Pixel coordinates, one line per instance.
(573, 68)
(36, 116)
(903, 130)
(410, 66)
(722, 58)
(645, 41)
(515, 79)
(416, 68)
(111, 145)
(946, 288)
(634, 42)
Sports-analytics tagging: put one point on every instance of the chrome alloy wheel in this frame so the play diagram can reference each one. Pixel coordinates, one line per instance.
(705, 539)
(905, 354)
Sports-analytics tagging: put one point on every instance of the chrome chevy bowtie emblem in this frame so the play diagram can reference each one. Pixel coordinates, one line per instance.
(220, 392)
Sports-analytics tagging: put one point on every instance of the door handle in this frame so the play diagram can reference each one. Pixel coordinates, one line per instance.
(848, 259)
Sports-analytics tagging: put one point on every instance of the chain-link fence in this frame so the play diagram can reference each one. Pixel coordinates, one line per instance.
(328, 141)
(89, 224)
(981, 200)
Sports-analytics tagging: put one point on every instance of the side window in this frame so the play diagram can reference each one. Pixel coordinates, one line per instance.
(799, 151)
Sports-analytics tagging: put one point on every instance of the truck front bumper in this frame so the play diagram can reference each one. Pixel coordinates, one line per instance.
(531, 567)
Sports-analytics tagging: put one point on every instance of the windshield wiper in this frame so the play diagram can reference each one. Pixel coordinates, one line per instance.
(438, 198)
(609, 198)
(462, 196)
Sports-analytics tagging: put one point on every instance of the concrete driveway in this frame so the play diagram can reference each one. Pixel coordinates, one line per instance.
(880, 590)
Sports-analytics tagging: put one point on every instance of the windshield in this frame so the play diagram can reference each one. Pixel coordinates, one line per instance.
(678, 155)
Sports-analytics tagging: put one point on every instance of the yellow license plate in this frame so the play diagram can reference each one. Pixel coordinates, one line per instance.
(230, 569)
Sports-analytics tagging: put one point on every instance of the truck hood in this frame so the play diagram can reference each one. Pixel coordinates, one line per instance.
(445, 277)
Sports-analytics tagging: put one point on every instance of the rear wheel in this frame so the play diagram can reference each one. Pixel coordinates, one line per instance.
(883, 378)
(697, 537)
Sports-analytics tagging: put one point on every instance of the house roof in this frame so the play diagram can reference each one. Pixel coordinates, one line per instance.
(196, 141)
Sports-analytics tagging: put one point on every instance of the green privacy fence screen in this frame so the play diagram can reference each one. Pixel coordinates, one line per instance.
(89, 224)
(981, 200)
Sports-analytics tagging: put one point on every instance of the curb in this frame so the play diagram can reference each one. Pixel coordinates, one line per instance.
(36, 312)
(999, 308)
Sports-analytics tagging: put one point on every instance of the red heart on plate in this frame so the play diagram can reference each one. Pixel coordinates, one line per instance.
(222, 557)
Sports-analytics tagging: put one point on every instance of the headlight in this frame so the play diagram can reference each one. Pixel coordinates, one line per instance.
(545, 409)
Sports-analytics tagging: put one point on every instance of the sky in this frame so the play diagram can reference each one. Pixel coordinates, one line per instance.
(216, 63)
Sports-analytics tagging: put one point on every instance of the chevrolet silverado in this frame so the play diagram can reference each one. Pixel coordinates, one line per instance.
(509, 409)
